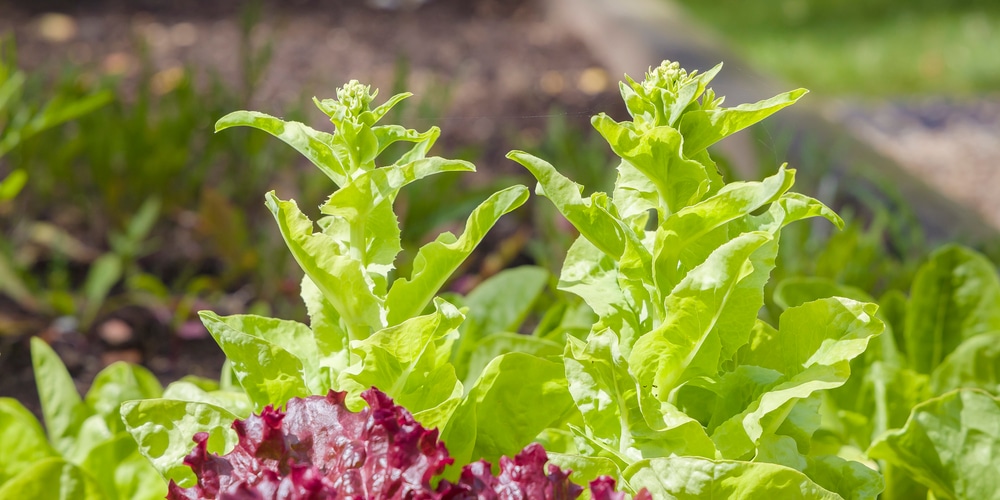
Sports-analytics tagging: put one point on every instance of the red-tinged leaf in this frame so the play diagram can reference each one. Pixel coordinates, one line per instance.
(603, 488)
(318, 449)
(521, 477)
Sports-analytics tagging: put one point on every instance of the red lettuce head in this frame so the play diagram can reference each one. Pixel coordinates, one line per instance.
(318, 449)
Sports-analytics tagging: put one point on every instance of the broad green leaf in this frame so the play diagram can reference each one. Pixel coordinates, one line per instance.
(849, 479)
(52, 479)
(438, 416)
(356, 146)
(798, 290)
(595, 220)
(206, 384)
(585, 469)
(387, 135)
(497, 344)
(949, 444)
(781, 450)
(315, 145)
(892, 309)
(92, 433)
(634, 196)
(608, 397)
(677, 238)
(683, 346)
(328, 335)
(639, 107)
(437, 260)
(702, 128)
(375, 239)
(560, 440)
(165, 428)
(593, 276)
(117, 383)
(122, 472)
(714, 172)
(499, 304)
(62, 407)
(604, 391)
(235, 402)
(568, 317)
(975, 363)
(459, 434)
(802, 423)
(656, 153)
(733, 393)
(291, 336)
(741, 311)
(825, 331)
(739, 314)
(23, 439)
(899, 483)
(698, 478)
(408, 361)
(590, 216)
(268, 373)
(895, 391)
(792, 207)
(506, 407)
(813, 348)
(365, 204)
(954, 296)
(373, 116)
(340, 276)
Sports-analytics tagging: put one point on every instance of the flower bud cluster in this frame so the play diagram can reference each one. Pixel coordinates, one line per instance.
(355, 97)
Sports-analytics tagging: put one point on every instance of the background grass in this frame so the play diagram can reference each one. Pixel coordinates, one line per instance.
(874, 48)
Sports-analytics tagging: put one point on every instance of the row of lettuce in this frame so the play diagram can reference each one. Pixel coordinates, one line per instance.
(650, 366)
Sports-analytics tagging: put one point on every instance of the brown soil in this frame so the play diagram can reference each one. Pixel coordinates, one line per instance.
(484, 68)
(485, 71)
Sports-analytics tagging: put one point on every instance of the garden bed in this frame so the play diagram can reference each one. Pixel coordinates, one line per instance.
(665, 344)
(490, 73)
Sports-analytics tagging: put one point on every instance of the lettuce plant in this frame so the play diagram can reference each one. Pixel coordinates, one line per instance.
(676, 387)
(681, 389)
(84, 451)
(368, 327)
(931, 381)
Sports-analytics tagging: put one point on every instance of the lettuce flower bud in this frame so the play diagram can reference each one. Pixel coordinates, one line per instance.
(668, 76)
(355, 97)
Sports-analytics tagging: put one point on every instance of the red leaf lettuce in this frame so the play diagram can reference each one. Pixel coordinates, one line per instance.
(317, 448)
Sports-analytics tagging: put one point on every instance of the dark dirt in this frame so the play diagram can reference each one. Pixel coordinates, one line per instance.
(488, 72)
(483, 70)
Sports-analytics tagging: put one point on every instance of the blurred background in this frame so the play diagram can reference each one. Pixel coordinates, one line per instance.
(122, 213)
